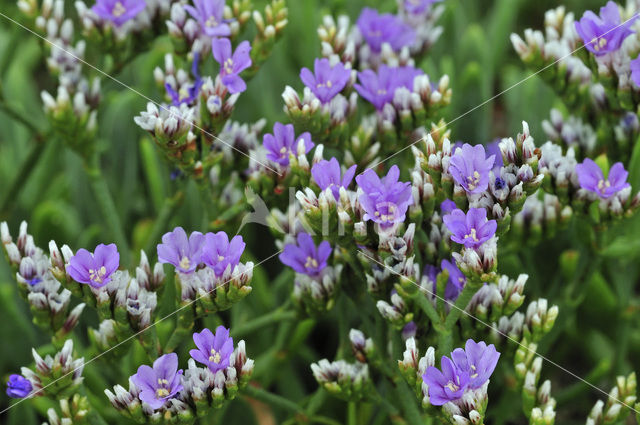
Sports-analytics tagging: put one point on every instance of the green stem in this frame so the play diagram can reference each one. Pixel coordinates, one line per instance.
(108, 208)
(12, 112)
(262, 321)
(352, 418)
(26, 168)
(274, 400)
(426, 306)
(406, 398)
(169, 207)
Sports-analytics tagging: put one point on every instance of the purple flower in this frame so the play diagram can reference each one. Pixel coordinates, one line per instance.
(418, 7)
(208, 13)
(379, 88)
(409, 330)
(493, 149)
(186, 95)
(184, 253)
(305, 257)
(384, 28)
(326, 174)
(118, 11)
(232, 64)
(386, 200)
(283, 143)
(213, 351)
(447, 206)
(470, 168)
(591, 178)
(472, 229)
(445, 386)
(326, 81)
(161, 383)
(218, 253)
(456, 280)
(603, 34)
(18, 386)
(94, 269)
(635, 71)
(478, 360)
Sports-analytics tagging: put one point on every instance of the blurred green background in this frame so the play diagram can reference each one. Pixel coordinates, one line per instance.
(53, 195)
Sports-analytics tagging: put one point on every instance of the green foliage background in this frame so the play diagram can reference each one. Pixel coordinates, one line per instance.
(474, 51)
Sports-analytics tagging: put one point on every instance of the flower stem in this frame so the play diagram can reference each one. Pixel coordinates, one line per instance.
(108, 208)
(406, 397)
(262, 321)
(274, 400)
(352, 418)
(27, 166)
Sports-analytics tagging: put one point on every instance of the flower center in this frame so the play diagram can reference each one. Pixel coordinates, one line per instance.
(598, 43)
(97, 275)
(185, 263)
(228, 66)
(183, 93)
(311, 263)
(603, 185)
(283, 151)
(472, 181)
(472, 235)
(162, 391)
(118, 10)
(328, 84)
(452, 386)
(475, 372)
(211, 22)
(382, 91)
(220, 258)
(215, 356)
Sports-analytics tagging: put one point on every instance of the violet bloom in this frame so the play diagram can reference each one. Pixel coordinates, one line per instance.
(379, 88)
(493, 149)
(218, 253)
(386, 200)
(384, 28)
(18, 386)
(283, 143)
(456, 281)
(326, 81)
(447, 206)
(326, 174)
(603, 34)
(470, 168)
(591, 178)
(635, 71)
(418, 7)
(94, 269)
(478, 360)
(213, 351)
(160, 383)
(209, 14)
(448, 385)
(186, 95)
(471, 229)
(184, 253)
(305, 257)
(118, 11)
(232, 63)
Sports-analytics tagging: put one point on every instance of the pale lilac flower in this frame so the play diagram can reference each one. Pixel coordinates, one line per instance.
(635, 71)
(446, 385)
(471, 229)
(378, 88)
(384, 28)
(470, 168)
(418, 7)
(213, 351)
(478, 360)
(305, 257)
(326, 174)
(160, 383)
(232, 63)
(94, 269)
(456, 281)
(493, 149)
(218, 253)
(18, 386)
(118, 11)
(184, 253)
(185, 94)
(326, 81)
(209, 14)
(283, 143)
(591, 178)
(447, 206)
(603, 34)
(386, 200)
